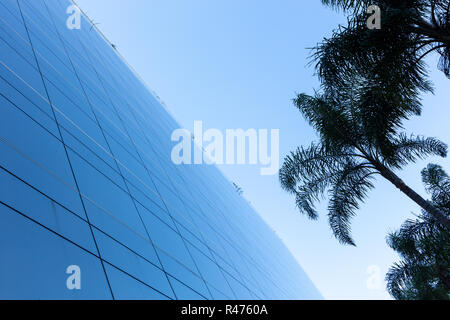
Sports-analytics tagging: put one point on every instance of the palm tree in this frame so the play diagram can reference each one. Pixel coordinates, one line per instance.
(424, 246)
(411, 30)
(424, 18)
(350, 154)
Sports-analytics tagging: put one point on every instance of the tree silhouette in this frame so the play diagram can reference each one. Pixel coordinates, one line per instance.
(371, 82)
(424, 247)
(411, 30)
(349, 155)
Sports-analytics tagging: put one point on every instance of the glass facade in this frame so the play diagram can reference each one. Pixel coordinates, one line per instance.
(86, 180)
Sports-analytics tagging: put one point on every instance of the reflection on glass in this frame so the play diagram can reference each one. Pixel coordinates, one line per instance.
(86, 180)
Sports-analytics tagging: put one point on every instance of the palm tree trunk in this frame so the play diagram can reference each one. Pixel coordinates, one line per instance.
(440, 216)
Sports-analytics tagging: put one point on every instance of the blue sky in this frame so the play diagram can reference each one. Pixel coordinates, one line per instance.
(238, 64)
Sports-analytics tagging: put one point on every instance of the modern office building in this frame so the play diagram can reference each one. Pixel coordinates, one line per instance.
(91, 205)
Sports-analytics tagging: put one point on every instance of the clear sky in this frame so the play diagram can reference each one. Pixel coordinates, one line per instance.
(238, 64)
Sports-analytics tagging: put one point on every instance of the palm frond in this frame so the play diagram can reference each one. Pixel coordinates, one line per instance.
(437, 183)
(408, 149)
(424, 247)
(349, 188)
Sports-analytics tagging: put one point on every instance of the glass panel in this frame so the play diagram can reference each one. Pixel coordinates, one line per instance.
(184, 292)
(86, 178)
(135, 265)
(34, 263)
(128, 288)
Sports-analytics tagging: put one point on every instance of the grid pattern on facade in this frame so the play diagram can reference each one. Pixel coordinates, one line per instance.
(86, 179)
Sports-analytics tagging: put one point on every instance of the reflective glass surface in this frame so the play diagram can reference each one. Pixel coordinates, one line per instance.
(86, 180)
